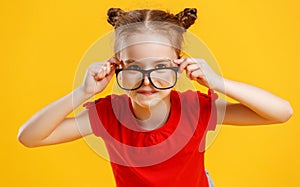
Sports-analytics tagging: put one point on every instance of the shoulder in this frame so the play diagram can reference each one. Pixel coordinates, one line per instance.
(190, 96)
(107, 101)
(105, 112)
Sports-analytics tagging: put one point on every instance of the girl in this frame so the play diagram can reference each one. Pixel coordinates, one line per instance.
(153, 134)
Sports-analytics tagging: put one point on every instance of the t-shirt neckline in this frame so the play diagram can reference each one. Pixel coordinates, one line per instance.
(170, 119)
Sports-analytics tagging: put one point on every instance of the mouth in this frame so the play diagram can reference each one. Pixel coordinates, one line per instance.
(146, 92)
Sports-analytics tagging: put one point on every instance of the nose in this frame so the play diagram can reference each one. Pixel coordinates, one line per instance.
(146, 81)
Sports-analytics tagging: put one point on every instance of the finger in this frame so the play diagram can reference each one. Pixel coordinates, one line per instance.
(195, 75)
(114, 61)
(103, 73)
(107, 67)
(193, 70)
(105, 70)
(193, 67)
(184, 64)
(179, 61)
(99, 75)
(111, 73)
(188, 74)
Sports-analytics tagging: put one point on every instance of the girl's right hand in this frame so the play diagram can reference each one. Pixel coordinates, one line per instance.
(98, 76)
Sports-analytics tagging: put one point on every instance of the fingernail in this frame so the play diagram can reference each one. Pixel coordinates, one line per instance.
(180, 60)
(177, 61)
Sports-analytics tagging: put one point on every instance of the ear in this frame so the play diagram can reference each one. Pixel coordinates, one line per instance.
(113, 15)
(187, 17)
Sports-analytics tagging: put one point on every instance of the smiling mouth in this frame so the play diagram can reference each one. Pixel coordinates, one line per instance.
(147, 92)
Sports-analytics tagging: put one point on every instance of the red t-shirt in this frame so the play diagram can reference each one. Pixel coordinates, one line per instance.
(172, 155)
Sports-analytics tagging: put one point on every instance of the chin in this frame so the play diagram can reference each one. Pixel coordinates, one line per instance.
(151, 100)
(148, 103)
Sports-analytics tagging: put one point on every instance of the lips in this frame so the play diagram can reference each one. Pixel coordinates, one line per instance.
(146, 92)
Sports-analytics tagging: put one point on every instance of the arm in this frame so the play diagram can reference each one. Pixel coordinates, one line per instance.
(255, 106)
(51, 126)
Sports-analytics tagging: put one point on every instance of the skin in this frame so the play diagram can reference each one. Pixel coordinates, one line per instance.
(150, 105)
(254, 106)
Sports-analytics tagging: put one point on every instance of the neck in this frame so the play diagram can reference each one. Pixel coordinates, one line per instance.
(152, 117)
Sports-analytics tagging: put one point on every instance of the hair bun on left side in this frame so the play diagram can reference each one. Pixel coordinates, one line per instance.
(113, 15)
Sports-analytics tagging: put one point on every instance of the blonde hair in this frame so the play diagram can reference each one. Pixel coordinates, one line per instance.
(145, 21)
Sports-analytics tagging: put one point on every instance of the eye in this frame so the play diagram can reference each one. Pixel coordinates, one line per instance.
(161, 66)
(133, 67)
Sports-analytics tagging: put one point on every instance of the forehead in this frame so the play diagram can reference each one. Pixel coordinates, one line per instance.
(147, 45)
(148, 50)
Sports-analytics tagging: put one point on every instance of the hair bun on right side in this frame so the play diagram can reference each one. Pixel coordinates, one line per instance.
(187, 17)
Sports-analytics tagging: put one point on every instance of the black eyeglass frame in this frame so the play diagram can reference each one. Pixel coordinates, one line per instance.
(146, 72)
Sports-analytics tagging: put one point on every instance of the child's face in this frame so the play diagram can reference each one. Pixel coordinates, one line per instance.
(147, 56)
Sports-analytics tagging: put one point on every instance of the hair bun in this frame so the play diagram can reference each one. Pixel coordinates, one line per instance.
(187, 17)
(113, 15)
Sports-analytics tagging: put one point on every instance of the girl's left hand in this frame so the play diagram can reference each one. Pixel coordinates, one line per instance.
(200, 71)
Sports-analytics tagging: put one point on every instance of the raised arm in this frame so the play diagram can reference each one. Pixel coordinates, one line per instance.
(255, 106)
(50, 125)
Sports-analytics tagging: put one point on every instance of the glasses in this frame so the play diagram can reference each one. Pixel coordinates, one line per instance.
(161, 78)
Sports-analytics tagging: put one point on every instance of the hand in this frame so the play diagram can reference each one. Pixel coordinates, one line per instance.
(98, 76)
(200, 71)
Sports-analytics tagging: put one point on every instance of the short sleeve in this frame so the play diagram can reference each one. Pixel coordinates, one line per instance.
(210, 115)
(208, 112)
(97, 110)
(213, 110)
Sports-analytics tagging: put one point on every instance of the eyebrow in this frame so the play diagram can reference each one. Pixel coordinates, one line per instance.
(129, 61)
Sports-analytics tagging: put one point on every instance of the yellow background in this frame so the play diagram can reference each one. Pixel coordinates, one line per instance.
(42, 42)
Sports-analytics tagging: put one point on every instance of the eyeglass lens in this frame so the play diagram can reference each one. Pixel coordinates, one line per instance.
(160, 78)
